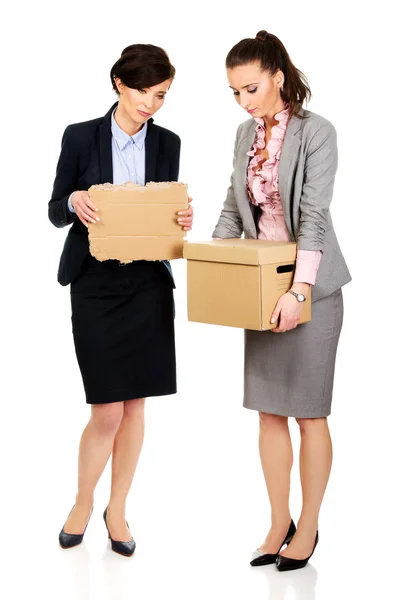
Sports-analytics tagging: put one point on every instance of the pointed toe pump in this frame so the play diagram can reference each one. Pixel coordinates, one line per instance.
(69, 540)
(259, 559)
(124, 548)
(285, 563)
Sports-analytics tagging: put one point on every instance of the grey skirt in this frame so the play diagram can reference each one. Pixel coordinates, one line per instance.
(291, 374)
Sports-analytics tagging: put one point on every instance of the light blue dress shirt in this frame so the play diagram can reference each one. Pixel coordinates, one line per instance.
(128, 156)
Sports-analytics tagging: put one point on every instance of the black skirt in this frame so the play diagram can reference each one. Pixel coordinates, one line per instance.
(123, 328)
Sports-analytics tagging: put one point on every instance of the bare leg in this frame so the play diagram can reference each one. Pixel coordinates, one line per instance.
(127, 447)
(94, 451)
(315, 467)
(277, 459)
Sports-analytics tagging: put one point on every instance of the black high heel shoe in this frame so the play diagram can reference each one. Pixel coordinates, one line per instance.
(259, 559)
(285, 563)
(69, 540)
(124, 548)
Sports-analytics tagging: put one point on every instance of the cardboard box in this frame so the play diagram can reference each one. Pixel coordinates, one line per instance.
(138, 222)
(237, 282)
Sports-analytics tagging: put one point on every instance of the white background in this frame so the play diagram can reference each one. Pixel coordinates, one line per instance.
(198, 506)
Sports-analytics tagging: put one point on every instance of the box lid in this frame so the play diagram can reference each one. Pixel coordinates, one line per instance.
(241, 251)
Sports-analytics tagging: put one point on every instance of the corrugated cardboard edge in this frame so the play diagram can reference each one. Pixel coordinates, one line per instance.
(96, 252)
(171, 248)
(129, 186)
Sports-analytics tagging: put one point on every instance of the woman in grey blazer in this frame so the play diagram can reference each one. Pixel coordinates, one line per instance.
(285, 161)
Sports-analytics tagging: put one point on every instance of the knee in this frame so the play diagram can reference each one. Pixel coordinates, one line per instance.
(268, 421)
(106, 418)
(134, 408)
(311, 425)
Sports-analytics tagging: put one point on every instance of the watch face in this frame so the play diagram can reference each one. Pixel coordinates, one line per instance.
(300, 298)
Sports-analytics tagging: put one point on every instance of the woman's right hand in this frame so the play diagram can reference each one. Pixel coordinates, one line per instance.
(84, 208)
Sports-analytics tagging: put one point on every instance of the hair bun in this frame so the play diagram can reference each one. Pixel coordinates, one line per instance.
(126, 52)
(262, 35)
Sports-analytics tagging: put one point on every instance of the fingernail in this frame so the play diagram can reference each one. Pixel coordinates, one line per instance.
(273, 320)
(179, 213)
(97, 218)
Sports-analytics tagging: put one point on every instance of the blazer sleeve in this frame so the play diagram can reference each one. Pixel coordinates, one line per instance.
(65, 181)
(230, 222)
(175, 158)
(319, 176)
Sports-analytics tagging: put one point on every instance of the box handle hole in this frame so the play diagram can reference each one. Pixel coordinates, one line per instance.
(285, 269)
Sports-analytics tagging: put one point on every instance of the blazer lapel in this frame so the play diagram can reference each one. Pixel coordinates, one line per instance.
(288, 159)
(106, 170)
(242, 197)
(151, 147)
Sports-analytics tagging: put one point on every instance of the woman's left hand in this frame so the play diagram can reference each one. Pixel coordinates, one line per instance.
(288, 310)
(185, 217)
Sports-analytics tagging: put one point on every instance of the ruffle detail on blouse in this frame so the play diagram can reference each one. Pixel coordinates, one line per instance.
(263, 178)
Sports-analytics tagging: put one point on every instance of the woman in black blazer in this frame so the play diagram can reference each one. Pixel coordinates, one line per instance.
(122, 315)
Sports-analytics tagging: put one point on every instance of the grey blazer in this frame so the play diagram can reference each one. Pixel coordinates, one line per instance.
(307, 170)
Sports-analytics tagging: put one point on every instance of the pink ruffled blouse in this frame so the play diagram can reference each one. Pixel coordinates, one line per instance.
(263, 188)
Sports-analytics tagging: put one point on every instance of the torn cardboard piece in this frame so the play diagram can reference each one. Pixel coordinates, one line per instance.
(237, 282)
(137, 222)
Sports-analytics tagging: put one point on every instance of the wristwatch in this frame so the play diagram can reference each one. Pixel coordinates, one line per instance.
(300, 297)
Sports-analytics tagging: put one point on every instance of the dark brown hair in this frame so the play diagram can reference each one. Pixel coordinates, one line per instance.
(142, 66)
(272, 55)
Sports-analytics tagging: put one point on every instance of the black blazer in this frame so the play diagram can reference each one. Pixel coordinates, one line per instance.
(85, 160)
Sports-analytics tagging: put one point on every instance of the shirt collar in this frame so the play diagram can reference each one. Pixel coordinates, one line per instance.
(123, 138)
(282, 117)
